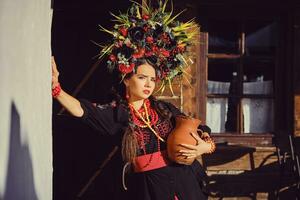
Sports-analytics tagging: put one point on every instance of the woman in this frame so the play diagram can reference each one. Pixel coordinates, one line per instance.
(143, 52)
(156, 182)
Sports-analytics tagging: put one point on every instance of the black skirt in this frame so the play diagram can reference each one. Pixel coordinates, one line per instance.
(164, 183)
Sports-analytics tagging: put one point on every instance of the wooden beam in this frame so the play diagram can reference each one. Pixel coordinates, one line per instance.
(223, 56)
(202, 74)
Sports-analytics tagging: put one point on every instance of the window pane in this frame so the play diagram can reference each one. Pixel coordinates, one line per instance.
(258, 87)
(216, 109)
(261, 37)
(218, 87)
(221, 69)
(258, 115)
(223, 36)
(221, 73)
(258, 76)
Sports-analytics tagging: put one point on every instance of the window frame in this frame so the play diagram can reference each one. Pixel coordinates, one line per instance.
(252, 139)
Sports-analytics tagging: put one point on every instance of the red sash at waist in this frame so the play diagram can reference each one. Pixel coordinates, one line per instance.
(151, 161)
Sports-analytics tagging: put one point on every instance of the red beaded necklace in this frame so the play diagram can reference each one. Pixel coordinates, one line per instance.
(145, 117)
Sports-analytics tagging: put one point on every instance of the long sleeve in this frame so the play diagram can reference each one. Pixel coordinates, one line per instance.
(103, 118)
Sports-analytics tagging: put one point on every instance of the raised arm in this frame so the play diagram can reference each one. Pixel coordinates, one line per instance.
(71, 104)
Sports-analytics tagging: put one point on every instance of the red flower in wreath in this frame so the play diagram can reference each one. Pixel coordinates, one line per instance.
(148, 53)
(155, 49)
(124, 31)
(165, 38)
(146, 28)
(149, 39)
(139, 54)
(165, 52)
(112, 58)
(125, 69)
(145, 17)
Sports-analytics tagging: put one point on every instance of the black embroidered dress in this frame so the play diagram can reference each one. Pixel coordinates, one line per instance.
(159, 184)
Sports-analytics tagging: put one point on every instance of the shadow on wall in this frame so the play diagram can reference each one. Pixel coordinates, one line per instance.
(19, 180)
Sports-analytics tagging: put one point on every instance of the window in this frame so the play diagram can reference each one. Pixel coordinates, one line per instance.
(240, 66)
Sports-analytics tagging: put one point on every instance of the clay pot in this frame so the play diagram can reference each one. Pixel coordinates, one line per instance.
(182, 135)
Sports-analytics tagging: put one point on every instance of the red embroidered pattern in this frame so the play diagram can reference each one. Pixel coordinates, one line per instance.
(143, 135)
(164, 128)
(143, 138)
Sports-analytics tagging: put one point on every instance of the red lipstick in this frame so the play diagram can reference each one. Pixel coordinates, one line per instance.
(146, 91)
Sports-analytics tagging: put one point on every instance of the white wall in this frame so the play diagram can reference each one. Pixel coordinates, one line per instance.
(25, 100)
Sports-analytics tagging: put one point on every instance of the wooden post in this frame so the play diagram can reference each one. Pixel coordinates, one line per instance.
(201, 73)
(296, 63)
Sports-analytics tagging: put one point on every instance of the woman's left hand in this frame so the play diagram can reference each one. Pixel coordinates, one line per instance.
(194, 151)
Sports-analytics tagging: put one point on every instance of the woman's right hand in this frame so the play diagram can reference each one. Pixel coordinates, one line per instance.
(55, 73)
(67, 101)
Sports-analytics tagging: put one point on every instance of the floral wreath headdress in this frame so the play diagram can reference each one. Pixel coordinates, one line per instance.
(155, 36)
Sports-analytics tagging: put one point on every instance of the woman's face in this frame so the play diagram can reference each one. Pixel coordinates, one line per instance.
(142, 83)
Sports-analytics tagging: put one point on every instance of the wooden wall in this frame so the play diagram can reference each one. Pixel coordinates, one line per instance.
(184, 89)
(296, 27)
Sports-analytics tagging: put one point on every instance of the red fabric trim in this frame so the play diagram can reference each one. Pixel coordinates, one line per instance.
(151, 161)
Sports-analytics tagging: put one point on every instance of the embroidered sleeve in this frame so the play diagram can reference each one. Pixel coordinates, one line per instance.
(100, 117)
